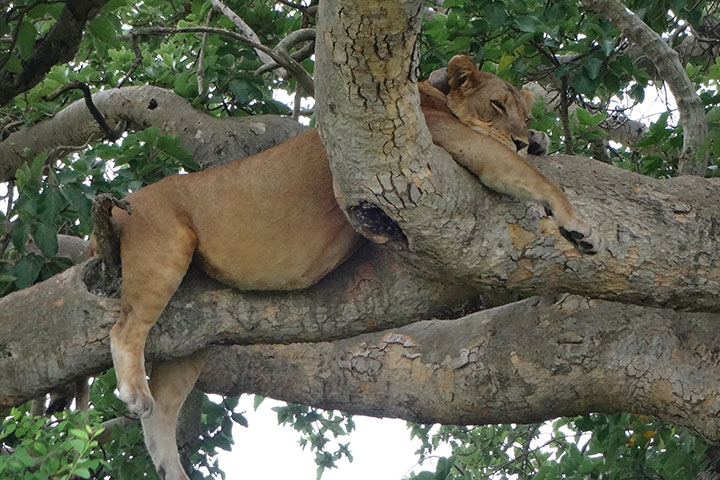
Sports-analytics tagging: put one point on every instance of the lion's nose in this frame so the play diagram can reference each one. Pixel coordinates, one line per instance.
(519, 144)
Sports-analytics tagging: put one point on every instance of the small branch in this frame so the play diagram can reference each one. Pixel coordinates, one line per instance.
(111, 134)
(201, 56)
(10, 126)
(301, 75)
(287, 43)
(296, 104)
(10, 200)
(564, 117)
(136, 63)
(107, 238)
(244, 28)
(667, 62)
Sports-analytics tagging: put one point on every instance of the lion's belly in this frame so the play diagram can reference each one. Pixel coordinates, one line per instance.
(279, 255)
(271, 221)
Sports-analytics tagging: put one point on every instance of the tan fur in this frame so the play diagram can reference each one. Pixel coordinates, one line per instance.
(271, 222)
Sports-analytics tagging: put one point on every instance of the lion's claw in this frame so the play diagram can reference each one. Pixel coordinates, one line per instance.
(586, 242)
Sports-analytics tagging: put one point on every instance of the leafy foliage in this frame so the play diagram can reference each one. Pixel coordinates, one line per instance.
(40, 448)
(314, 425)
(592, 446)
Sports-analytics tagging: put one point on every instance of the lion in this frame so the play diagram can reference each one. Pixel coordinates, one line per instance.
(246, 223)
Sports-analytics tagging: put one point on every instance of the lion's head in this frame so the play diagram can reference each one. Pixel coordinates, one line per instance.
(485, 102)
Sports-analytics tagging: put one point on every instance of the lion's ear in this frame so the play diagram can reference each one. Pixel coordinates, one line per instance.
(439, 79)
(462, 69)
(529, 97)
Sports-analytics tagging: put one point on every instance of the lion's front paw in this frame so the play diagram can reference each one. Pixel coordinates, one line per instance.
(137, 397)
(584, 239)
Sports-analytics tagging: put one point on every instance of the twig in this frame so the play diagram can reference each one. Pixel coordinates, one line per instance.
(10, 197)
(302, 77)
(287, 43)
(111, 134)
(244, 28)
(201, 56)
(296, 104)
(10, 126)
(564, 115)
(136, 63)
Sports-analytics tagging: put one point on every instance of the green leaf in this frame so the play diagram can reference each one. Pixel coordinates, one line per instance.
(240, 419)
(20, 235)
(444, 465)
(27, 270)
(425, 475)
(257, 401)
(45, 237)
(527, 24)
(607, 45)
(584, 85)
(26, 39)
(13, 65)
(103, 29)
(583, 116)
(592, 66)
(79, 433)
(241, 89)
(82, 472)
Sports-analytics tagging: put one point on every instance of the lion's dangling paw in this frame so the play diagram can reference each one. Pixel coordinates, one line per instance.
(584, 239)
(137, 398)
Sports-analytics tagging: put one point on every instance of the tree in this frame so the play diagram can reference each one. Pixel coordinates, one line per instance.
(405, 327)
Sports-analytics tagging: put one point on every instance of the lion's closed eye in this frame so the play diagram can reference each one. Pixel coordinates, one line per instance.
(497, 104)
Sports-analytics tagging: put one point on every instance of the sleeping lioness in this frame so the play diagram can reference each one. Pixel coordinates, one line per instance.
(247, 223)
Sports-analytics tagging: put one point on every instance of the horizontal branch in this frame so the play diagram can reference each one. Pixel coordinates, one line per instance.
(210, 139)
(524, 362)
(71, 325)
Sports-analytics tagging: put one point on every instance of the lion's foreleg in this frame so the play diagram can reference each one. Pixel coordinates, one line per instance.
(511, 175)
(506, 172)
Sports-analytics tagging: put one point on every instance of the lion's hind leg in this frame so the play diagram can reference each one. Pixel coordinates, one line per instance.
(170, 383)
(154, 262)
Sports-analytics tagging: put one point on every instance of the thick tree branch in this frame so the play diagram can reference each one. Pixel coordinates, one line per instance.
(666, 60)
(211, 140)
(524, 362)
(70, 325)
(60, 45)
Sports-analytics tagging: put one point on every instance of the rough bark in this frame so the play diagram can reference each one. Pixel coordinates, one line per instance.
(59, 45)
(524, 362)
(208, 138)
(667, 62)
